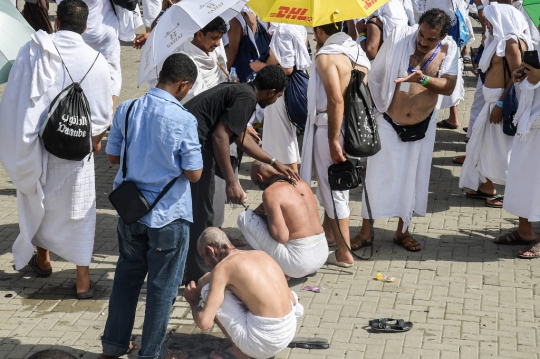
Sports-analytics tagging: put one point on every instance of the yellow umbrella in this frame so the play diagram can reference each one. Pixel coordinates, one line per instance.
(313, 12)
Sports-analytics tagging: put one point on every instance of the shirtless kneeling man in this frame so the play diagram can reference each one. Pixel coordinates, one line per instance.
(246, 295)
(286, 224)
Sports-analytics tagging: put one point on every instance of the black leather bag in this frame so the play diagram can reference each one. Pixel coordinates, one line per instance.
(344, 176)
(127, 199)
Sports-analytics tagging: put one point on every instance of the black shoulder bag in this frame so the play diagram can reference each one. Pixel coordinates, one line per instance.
(127, 199)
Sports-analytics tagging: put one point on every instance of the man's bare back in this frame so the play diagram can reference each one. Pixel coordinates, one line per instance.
(497, 76)
(297, 205)
(257, 280)
(339, 65)
(412, 107)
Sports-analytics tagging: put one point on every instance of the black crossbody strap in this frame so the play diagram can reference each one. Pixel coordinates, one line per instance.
(369, 215)
(124, 162)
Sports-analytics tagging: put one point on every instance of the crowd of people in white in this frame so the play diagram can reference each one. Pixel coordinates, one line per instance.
(211, 102)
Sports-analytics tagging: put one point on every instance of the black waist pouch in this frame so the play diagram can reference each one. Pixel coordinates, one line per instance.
(410, 133)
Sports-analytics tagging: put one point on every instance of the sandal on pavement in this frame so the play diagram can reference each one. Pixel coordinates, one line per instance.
(42, 273)
(408, 242)
(467, 59)
(88, 294)
(333, 260)
(491, 202)
(480, 195)
(131, 347)
(309, 343)
(511, 239)
(389, 325)
(445, 124)
(533, 248)
(458, 160)
(358, 242)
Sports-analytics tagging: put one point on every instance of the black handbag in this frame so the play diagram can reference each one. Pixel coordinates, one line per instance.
(344, 176)
(127, 199)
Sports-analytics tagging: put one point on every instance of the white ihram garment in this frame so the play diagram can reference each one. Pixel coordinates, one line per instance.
(258, 337)
(297, 258)
(102, 35)
(151, 9)
(392, 14)
(477, 105)
(209, 73)
(288, 44)
(128, 22)
(522, 193)
(55, 197)
(315, 151)
(408, 161)
(488, 149)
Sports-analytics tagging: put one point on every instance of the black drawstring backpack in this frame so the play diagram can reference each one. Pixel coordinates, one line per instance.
(67, 130)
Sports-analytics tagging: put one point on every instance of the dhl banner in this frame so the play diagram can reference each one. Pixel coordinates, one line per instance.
(313, 12)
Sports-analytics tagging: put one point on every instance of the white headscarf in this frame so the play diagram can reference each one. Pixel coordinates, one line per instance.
(508, 23)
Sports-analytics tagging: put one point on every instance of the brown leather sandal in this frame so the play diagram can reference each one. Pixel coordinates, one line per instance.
(408, 242)
(358, 242)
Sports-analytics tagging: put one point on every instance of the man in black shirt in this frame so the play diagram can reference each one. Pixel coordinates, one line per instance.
(223, 113)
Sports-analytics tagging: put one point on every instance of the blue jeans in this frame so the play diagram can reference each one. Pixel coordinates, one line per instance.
(160, 253)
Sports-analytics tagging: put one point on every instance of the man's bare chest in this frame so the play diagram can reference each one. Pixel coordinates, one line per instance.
(430, 68)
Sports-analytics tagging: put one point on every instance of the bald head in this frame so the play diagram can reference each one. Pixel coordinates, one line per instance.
(213, 246)
(260, 172)
(214, 237)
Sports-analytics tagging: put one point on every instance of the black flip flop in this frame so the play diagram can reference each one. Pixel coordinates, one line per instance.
(445, 124)
(480, 195)
(309, 343)
(389, 325)
(41, 273)
(88, 294)
(491, 205)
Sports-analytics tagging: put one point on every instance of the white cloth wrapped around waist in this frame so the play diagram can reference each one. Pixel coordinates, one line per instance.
(471, 177)
(257, 337)
(297, 258)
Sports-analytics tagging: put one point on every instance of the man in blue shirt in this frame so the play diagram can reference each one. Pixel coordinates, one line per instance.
(162, 143)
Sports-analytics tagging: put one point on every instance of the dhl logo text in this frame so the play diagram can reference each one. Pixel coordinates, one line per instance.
(291, 13)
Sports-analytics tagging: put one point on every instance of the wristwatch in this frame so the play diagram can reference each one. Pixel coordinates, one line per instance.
(272, 162)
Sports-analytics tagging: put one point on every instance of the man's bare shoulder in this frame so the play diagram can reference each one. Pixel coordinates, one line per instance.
(284, 187)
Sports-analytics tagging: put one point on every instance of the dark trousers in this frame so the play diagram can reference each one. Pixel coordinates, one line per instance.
(202, 195)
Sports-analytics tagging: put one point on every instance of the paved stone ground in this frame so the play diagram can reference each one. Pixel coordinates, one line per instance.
(467, 297)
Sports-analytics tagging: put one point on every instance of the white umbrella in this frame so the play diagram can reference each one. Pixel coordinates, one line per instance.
(14, 34)
(179, 24)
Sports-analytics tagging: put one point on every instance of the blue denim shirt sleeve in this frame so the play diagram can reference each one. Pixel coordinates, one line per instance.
(116, 138)
(190, 148)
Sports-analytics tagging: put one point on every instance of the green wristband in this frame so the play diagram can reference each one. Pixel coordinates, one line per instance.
(425, 82)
